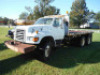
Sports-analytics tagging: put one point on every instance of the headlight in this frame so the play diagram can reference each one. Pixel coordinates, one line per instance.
(30, 38)
(34, 39)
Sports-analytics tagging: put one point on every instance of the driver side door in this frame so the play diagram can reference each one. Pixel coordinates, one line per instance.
(58, 29)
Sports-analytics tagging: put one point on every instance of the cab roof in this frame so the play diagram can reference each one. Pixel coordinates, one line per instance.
(55, 16)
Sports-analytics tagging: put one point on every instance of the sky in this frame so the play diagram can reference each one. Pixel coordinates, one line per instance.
(13, 8)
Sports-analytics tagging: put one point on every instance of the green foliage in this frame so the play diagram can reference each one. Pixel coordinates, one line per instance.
(5, 21)
(78, 13)
(30, 17)
(30, 11)
(23, 15)
(97, 17)
(44, 8)
(43, 2)
(50, 10)
(90, 16)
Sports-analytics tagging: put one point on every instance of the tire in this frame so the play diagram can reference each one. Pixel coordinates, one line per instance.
(88, 40)
(82, 41)
(47, 47)
(47, 51)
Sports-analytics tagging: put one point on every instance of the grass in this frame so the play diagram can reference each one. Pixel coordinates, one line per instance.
(64, 61)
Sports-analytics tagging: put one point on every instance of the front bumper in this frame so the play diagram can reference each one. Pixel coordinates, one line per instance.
(20, 47)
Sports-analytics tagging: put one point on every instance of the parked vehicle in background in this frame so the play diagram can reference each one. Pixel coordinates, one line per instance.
(89, 26)
(86, 25)
(47, 33)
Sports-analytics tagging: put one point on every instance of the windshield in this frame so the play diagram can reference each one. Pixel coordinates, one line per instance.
(44, 21)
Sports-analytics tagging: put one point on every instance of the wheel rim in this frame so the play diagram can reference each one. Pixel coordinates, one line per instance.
(47, 51)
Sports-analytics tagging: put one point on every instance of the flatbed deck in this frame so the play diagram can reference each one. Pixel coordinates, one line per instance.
(78, 33)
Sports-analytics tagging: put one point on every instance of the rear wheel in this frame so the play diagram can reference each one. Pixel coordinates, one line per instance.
(88, 40)
(82, 41)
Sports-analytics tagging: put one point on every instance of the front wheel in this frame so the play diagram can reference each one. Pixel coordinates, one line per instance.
(47, 49)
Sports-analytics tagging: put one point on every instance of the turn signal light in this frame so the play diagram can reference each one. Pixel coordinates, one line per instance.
(36, 32)
(35, 39)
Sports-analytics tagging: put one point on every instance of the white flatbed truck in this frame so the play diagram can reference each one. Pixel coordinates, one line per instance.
(47, 32)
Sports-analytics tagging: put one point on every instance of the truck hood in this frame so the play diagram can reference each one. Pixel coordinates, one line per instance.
(35, 27)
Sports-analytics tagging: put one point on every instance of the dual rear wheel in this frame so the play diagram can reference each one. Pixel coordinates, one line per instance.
(85, 40)
(82, 41)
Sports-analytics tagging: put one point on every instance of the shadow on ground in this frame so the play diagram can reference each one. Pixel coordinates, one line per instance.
(10, 64)
(2, 46)
(64, 57)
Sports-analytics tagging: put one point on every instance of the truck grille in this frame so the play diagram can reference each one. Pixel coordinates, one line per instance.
(20, 35)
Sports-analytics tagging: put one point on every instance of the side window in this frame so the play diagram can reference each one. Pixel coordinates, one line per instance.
(57, 22)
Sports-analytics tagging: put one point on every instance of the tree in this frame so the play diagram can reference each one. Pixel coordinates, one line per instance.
(30, 17)
(90, 16)
(51, 10)
(23, 15)
(97, 17)
(44, 8)
(29, 9)
(78, 13)
(6, 20)
(1, 20)
(43, 5)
